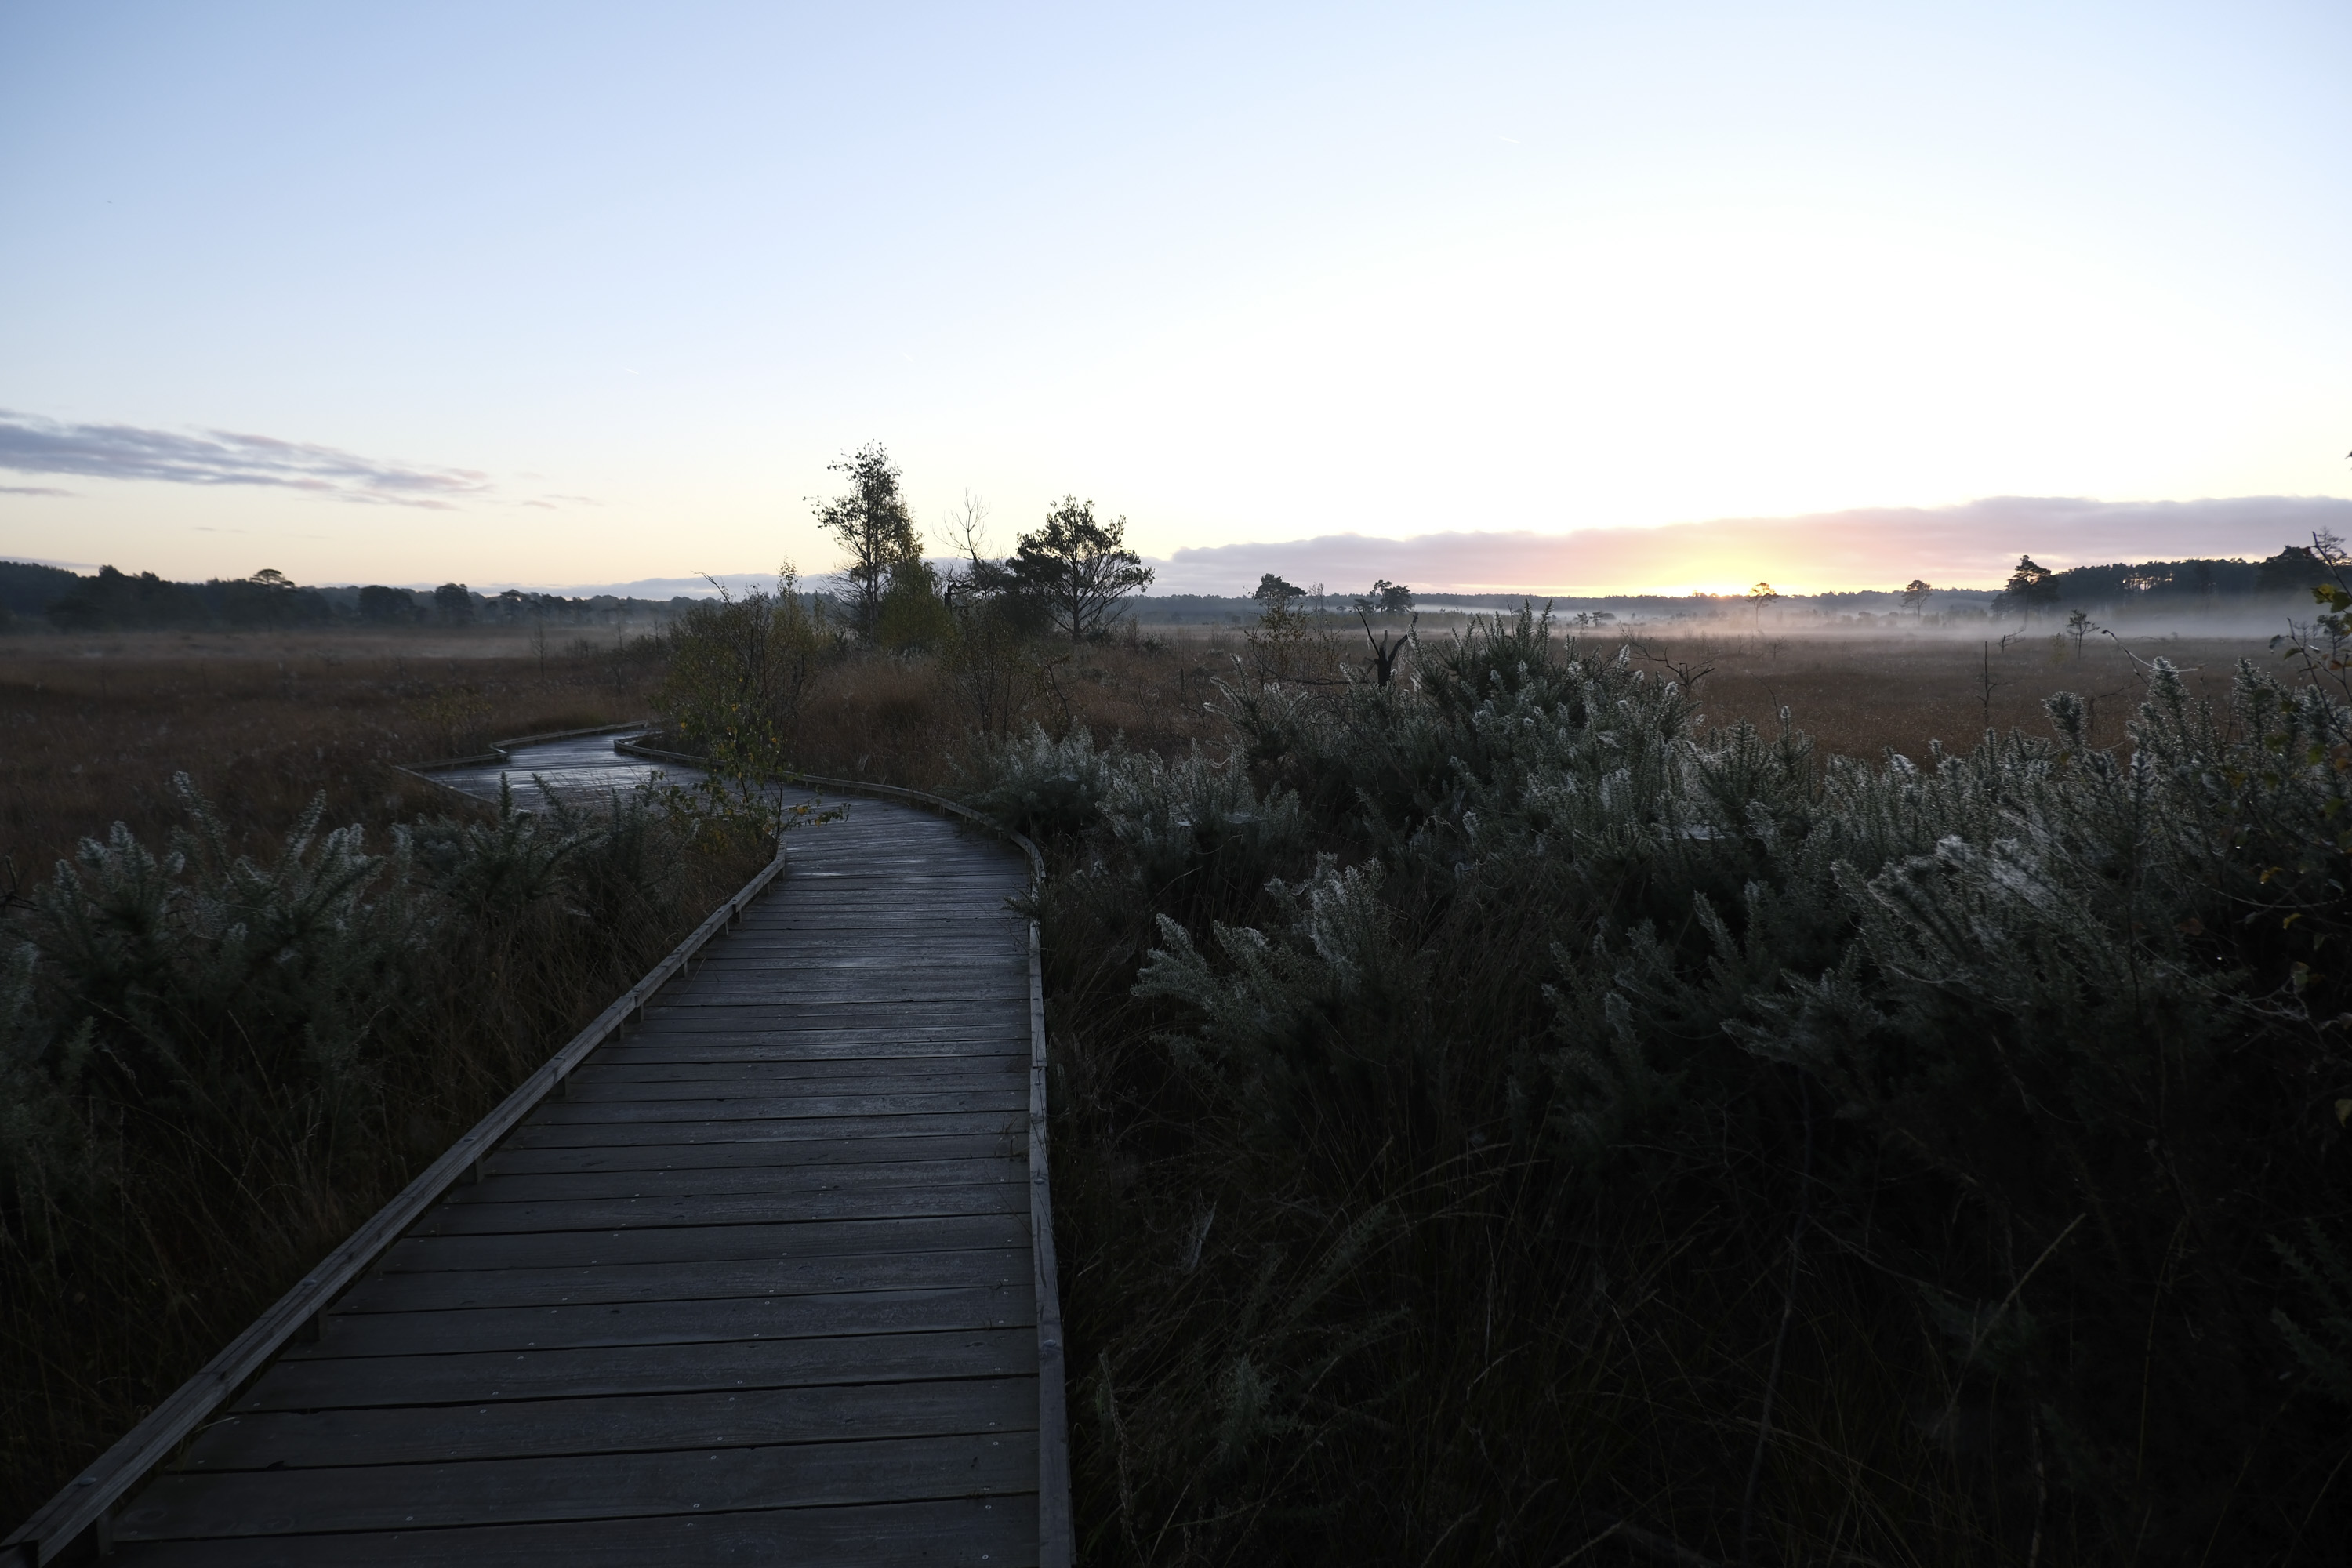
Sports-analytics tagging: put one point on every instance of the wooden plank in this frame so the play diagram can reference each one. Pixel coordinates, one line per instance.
(414, 1435)
(818, 1026)
(474, 1377)
(721, 1044)
(725, 1208)
(781, 1182)
(580, 1487)
(746, 1156)
(869, 996)
(852, 1074)
(666, 1322)
(739, 1107)
(782, 1130)
(608, 1282)
(991, 1533)
(705, 1243)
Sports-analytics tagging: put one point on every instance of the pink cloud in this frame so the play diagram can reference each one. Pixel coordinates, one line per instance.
(1972, 545)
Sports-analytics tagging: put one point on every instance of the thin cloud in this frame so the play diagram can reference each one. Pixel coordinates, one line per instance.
(32, 491)
(213, 458)
(1973, 545)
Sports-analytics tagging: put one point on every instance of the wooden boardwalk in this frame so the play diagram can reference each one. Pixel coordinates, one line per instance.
(759, 1288)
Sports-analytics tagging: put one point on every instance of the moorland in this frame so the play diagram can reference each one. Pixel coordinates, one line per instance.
(1732, 1093)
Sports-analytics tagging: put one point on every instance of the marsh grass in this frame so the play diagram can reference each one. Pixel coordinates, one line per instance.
(217, 1056)
(92, 729)
(1485, 1248)
(1504, 1121)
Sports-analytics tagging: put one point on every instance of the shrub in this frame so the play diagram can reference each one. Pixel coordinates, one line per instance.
(213, 1066)
(1934, 1117)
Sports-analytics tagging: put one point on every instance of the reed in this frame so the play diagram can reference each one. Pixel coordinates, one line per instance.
(222, 1047)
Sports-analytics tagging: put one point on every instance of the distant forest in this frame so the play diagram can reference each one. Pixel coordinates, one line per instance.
(34, 597)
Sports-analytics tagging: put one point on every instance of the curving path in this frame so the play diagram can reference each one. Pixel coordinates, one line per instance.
(760, 1288)
(577, 768)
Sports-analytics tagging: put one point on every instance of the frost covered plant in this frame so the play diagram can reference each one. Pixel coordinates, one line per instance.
(1198, 828)
(1036, 784)
(204, 978)
(2040, 1040)
(1323, 1020)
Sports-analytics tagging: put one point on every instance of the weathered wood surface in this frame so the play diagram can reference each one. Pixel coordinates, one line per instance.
(760, 1287)
(580, 768)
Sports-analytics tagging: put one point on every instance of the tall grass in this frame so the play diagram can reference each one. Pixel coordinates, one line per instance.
(92, 731)
(213, 1064)
(1499, 1118)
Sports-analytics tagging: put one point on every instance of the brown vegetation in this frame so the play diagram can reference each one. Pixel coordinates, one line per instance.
(165, 1177)
(92, 729)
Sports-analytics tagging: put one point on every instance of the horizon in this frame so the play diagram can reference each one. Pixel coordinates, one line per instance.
(1942, 543)
(1520, 299)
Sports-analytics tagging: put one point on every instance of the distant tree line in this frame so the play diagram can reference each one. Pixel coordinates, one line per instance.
(2293, 574)
(32, 596)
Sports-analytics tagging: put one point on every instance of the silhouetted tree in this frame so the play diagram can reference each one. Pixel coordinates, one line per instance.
(1272, 591)
(1079, 567)
(873, 526)
(454, 603)
(381, 606)
(2031, 586)
(2294, 569)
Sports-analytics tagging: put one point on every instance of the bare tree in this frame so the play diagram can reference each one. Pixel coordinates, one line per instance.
(873, 526)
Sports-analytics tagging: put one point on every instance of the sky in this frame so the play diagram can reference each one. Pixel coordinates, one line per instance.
(1551, 296)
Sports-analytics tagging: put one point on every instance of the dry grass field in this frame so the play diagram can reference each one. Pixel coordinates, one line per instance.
(92, 729)
(1863, 696)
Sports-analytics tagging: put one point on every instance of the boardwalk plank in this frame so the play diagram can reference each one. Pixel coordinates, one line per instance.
(705, 1243)
(726, 1209)
(858, 1075)
(710, 1107)
(607, 1281)
(581, 1486)
(469, 1377)
(975, 1533)
(778, 1181)
(744, 1156)
(666, 1322)
(413, 1434)
(536, 1134)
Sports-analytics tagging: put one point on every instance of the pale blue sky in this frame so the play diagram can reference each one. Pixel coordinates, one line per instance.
(609, 285)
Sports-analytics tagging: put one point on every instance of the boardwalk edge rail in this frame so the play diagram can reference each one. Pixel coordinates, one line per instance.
(79, 1514)
(83, 1509)
(1056, 1538)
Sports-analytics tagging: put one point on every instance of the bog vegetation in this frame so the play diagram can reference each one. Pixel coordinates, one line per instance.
(1500, 1114)
(215, 1064)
